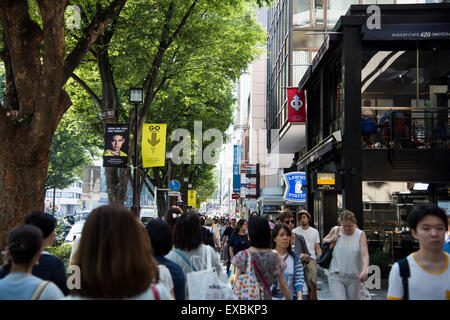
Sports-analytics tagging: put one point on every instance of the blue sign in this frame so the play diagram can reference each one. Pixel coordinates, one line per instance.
(236, 169)
(295, 186)
(174, 185)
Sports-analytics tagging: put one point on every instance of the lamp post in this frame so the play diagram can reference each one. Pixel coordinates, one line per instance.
(136, 97)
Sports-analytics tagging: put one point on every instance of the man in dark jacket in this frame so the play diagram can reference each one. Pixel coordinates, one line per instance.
(50, 267)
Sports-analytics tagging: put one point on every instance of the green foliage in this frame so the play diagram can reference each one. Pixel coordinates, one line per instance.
(380, 258)
(63, 252)
(69, 153)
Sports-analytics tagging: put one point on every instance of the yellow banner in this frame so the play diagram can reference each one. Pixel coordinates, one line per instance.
(192, 198)
(154, 145)
(197, 204)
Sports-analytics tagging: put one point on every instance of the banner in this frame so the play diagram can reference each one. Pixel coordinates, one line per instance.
(116, 145)
(192, 198)
(154, 145)
(236, 169)
(296, 105)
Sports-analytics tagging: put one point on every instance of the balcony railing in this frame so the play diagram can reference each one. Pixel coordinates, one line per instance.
(408, 129)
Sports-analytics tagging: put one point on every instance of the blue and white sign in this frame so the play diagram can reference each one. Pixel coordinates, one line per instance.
(295, 186)
(174, 185)
(236, 169)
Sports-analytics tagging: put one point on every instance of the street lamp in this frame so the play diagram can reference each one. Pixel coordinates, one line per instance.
(136, 97)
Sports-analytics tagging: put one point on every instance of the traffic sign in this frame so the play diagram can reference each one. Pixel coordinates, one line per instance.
(174, 185)
(174, 193)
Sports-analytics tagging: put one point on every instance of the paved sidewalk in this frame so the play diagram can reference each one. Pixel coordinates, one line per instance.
(325, 293)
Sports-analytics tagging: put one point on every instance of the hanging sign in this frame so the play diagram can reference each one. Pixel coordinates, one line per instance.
(295, 186)
(116, 145)
(296, 105)
(154, 145)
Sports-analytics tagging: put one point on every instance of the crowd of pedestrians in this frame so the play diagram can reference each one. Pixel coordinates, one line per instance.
(120, 258)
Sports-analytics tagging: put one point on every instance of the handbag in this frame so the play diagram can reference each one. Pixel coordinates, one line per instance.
(246, 286)
(206, 284)
(327, 253)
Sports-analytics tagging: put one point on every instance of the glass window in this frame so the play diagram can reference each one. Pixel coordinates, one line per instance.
(300, 65)
(393, 83)
(336, 9)
(301, 13)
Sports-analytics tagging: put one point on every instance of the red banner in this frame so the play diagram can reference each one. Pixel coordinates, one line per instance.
(296, 105)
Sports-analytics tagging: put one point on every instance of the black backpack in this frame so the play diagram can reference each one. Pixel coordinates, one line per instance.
(207, 237)
(405, 274)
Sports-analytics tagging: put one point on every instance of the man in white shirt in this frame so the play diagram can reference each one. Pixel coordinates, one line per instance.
(312, 239)
(429, 271)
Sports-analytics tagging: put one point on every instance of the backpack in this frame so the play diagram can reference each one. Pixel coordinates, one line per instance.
(207, 237)
(405, 274)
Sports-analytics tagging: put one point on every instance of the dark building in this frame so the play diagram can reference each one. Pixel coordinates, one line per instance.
(377, 116)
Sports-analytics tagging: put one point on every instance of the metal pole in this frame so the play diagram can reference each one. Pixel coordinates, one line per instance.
(135, 178)
(53, 209)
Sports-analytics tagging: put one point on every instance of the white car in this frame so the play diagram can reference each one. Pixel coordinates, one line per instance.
(75, 231)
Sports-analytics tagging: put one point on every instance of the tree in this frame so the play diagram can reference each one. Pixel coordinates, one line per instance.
(68, 156)
(185, 44)
(37, 65)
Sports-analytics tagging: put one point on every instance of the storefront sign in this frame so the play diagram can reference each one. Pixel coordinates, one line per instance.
(408, 32)
(296, 105)
(326, 178)
(295, 186)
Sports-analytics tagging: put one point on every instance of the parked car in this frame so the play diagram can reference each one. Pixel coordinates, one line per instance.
(75, 231)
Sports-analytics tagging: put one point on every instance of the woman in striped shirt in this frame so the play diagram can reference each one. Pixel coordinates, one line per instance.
(281, 236)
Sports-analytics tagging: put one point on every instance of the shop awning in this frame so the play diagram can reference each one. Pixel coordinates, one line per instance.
(319, 150)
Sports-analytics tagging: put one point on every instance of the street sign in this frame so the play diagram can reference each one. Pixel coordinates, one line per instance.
(174, 185)
(174, 193)
(192, 198)
(235, 196)
(251, 185)
(295, 186)
(154, 145)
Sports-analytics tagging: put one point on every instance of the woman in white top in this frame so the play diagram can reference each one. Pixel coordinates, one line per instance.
(350, 262)
(189, 252)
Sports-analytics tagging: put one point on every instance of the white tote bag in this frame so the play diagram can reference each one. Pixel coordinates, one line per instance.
(206, 284)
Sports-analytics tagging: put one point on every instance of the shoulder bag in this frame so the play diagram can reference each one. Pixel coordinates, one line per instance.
(40, 288)
(327, 253)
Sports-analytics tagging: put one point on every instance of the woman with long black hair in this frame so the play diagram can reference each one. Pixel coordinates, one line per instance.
(293, 274)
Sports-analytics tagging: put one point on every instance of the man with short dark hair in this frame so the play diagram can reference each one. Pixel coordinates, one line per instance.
(424, 274)
(50, 268)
